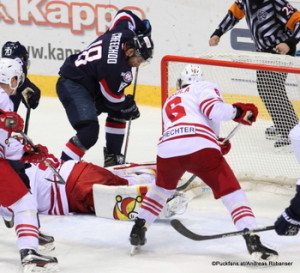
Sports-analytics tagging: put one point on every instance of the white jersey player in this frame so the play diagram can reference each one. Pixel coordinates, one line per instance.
(191, 119)
(14, 185)
(288, 223)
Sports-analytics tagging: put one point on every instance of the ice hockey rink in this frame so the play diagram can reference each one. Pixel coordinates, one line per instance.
(89, 244)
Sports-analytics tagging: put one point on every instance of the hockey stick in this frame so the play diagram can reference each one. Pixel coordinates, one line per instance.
(48, 164)
(178, 226)
(27, 119)
(129, 122)
(191, 179)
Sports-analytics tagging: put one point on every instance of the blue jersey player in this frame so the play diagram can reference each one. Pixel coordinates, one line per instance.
(27, 92)
(93, 82)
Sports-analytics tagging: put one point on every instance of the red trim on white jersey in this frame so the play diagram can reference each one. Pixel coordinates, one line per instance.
(207, 105)
(56, 203)
(183, 130)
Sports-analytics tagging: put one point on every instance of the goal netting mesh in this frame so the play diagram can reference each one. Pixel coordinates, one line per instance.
(272, 83)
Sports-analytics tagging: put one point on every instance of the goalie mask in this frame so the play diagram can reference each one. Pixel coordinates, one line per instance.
(9, 69)
(191, 73)
(143, 46)
(16, 50)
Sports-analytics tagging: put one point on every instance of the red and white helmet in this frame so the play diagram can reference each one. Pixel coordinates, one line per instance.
(9, 69)
(190, 74)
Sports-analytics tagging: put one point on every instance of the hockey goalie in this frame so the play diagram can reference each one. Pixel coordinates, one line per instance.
(115, 192)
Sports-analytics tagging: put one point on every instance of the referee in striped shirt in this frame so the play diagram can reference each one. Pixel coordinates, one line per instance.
(275, 28)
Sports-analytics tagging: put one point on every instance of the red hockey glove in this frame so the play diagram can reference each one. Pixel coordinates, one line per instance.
(35, 154)
(225, 147)
(11, 122)
(55, 162)
(246, 113)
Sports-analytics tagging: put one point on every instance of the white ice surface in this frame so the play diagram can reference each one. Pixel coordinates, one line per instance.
(88, 244)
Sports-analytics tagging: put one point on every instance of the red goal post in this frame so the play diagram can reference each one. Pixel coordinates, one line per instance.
(253, 157)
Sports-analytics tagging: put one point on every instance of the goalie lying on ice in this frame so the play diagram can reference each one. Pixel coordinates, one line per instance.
(115, 192)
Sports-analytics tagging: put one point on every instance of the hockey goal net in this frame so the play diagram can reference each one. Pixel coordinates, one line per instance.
(253, 157)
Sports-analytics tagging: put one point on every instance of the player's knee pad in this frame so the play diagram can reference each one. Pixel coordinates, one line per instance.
(87, 133)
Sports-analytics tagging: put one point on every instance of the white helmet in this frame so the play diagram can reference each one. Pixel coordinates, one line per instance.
(10, 68)
(191, 73)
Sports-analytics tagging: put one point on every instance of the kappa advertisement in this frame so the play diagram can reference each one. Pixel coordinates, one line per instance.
(52, 30)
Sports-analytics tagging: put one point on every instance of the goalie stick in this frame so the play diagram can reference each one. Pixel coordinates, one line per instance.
(48, 164)
(179, 227)
(191, 179)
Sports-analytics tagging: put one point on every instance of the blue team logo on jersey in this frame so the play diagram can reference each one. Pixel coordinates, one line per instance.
(127, 76)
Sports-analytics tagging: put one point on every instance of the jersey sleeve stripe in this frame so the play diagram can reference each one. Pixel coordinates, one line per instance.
(109, 95)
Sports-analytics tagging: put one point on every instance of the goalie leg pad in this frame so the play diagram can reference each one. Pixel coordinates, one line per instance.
(118, 202)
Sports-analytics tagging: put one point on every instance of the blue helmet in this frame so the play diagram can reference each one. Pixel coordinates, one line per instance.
(16, 50)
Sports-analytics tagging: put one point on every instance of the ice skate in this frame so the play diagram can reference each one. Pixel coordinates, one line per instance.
(137, 235)
(35, 262)
(257, 250)
(111, 159)
(9, 221)
(46, 243)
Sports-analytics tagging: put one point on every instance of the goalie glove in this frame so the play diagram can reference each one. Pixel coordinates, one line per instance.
(225, 147)
(288, 223)
(34, 154)
(246, 113)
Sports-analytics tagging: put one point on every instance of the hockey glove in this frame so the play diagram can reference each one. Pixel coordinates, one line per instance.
(286, 224)
(246, 113)
(35, 154)
(225, 147)
(11, 122)
(31, 97)
(130, 110)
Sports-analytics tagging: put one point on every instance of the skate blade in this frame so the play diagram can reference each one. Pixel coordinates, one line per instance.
(44, 249)
(134, 250)
(48, 268)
